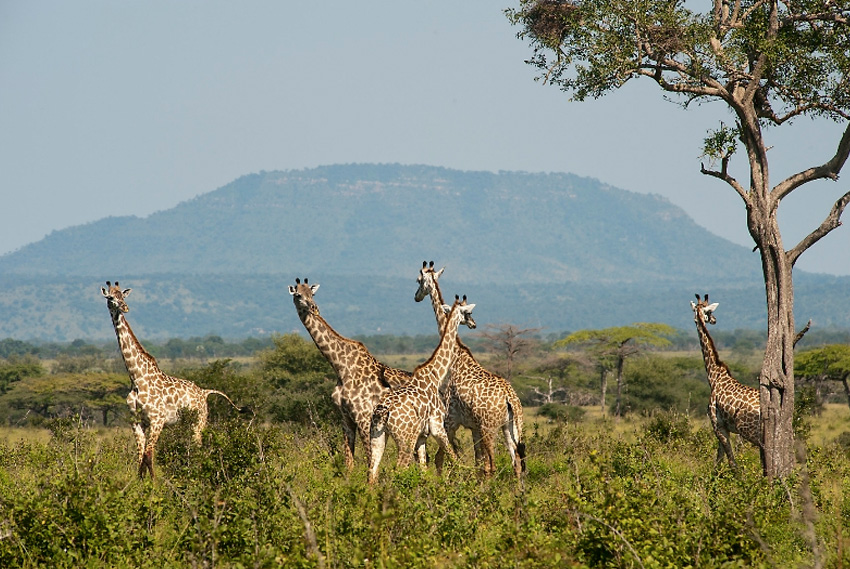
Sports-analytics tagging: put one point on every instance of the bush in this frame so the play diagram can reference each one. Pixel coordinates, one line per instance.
(561, 413)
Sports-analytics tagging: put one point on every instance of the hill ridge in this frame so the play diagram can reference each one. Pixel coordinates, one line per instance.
(553, 250)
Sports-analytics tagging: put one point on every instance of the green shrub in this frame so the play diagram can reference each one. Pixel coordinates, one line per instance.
(561, 413)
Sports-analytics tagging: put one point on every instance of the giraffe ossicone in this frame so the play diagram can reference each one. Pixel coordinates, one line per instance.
(155, 398)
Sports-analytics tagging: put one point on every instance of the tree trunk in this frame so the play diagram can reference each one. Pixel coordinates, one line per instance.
(776, 380)
(604, 382)
(620, 364)
(846, 389)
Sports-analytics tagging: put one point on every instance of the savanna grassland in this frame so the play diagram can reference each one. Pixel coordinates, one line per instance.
(270, 489)
(639, 492)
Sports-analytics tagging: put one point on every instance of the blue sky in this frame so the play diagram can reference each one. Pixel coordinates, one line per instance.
(127, 108)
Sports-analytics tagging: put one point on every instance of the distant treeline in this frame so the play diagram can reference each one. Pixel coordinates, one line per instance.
(213, 346)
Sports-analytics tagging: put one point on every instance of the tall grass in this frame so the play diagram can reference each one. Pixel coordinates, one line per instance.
(646, 494)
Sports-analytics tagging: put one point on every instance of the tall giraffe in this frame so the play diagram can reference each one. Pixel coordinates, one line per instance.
(477, 399)
(415, 410)
(361, 378)
(155, 398)
(732, 407)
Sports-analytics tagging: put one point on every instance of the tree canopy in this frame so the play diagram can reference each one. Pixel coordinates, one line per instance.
(611, 347)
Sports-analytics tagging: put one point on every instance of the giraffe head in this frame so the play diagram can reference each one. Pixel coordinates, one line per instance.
(427, 280)
(464, 309)
(302, 296)
(704, 311)
(115, 297)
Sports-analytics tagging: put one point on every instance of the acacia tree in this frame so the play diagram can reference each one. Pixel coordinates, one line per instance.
(510, 343)
(827, 363)
(611, 346)
(766, 61)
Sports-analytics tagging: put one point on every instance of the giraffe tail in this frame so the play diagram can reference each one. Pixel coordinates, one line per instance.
(242, 410)
(516, 433)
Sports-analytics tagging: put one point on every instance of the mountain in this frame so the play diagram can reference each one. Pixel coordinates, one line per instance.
(555, 250)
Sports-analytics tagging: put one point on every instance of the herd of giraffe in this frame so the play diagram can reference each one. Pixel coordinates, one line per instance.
(449, 390)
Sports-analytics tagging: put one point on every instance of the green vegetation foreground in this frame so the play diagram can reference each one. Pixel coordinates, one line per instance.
(597, 494)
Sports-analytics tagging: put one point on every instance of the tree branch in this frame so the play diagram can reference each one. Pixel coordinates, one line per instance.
(829, 170)
(802, 332)
(723, 175)
(832, 221)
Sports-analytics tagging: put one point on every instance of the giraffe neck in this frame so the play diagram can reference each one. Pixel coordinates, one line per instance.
(437, 305)
(709, 352)
(139, 363)
(330, 343)
(436, 368)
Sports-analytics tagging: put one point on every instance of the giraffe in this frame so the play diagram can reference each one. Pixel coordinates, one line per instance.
(415, 410)
(155, 398)
(732, 407)
(477, 399)
(361, 378)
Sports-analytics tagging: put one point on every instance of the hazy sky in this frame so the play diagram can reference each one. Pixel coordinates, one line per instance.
(127, 108)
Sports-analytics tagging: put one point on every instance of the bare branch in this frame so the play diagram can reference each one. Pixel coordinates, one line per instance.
(832, 221)
(802, 332)
(723, 175)
(829, 170)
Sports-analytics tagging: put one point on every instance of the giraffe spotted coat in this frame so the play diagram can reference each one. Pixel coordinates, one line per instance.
(155, 398)
(477, 399)
(361, 378)
(732, 407)
(414, 411)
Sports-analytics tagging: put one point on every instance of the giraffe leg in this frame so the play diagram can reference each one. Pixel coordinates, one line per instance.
(510, 443)
(422, 452)
(349, 431)
(139, 433)
(377, 446)
(476, 445)
(138, 430)
(439, 433)
(153, 436)
(722, 435)
(406, 448)
(451, 433)
(488, 451)
(200, 424)
(724, 447)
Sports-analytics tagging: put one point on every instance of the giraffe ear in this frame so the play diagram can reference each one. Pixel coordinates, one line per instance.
(292, 290)
(467, 308)
(447, 308)
(712, 307)
(438, 273)
(126, 292)
(103, 292)
(314, 288)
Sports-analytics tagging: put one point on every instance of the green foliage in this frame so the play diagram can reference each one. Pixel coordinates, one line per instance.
(36, 398)
(591, 48)
(721, 144)
(17, 368)
(304, 380)
(673, 384)
(609, 340)
(561, 413)
(10, 348)
(828, 362)
(592, 498)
